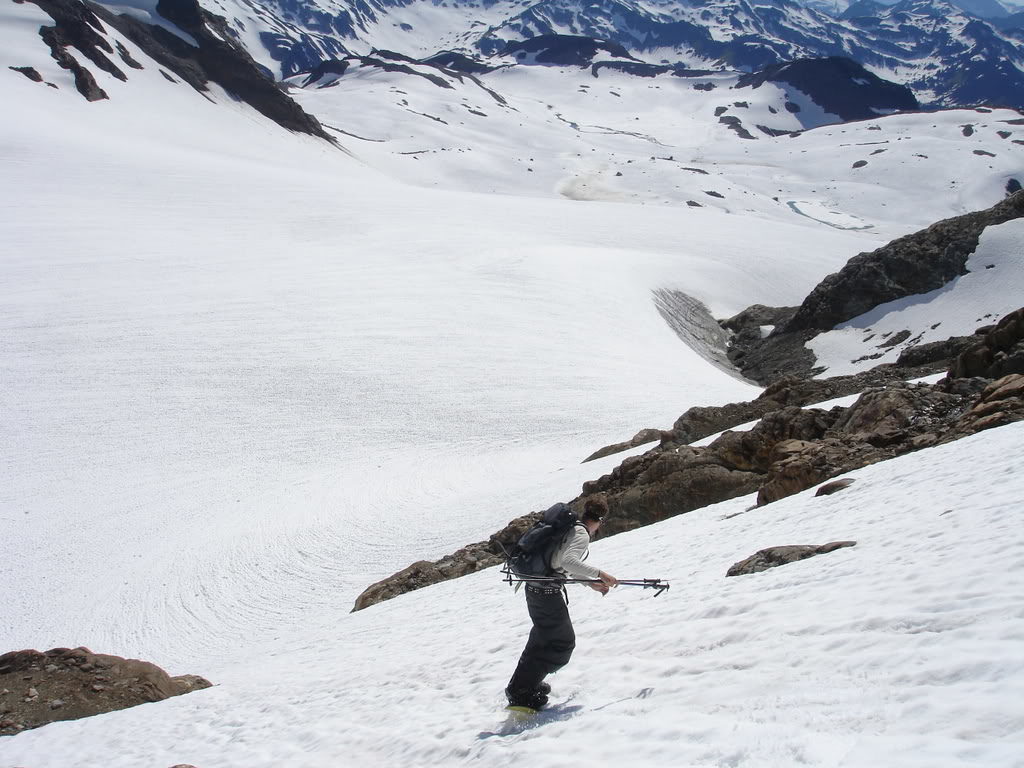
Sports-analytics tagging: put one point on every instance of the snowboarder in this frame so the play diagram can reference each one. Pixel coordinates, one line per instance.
(552, 638)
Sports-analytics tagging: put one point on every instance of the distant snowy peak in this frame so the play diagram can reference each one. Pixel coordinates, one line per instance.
(983, 9)
(928, 45)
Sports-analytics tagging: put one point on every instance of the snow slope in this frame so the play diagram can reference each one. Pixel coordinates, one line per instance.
(546, 131)
(901, 651)
(244, 374)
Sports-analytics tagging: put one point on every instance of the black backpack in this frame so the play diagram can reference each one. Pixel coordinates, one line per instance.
(531, 556)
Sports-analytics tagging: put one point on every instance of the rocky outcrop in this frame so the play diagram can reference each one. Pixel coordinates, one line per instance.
(67, 684)
(466, 560)
(838, 85)
(1000, 351)
(773, 557)
(1001, 402)
(76, 26)
(564, 50)
(917, 263)
(641, 437)
(701, 421)
(30, 73)
(81, 26)
(911, 265)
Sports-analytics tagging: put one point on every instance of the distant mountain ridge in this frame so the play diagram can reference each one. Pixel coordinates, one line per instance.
(948, 56)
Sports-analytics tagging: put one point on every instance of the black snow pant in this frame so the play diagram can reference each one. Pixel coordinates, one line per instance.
(551, 641)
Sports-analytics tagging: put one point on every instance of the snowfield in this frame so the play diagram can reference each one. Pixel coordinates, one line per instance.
(244, 374)
(900, 651)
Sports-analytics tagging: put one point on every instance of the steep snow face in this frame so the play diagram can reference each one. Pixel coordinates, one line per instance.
(902, 650)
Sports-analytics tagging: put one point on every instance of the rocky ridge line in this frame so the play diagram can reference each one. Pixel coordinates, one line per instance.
(917, 263)
(219, 59)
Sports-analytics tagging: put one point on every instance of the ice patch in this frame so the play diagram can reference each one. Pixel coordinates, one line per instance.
(819, 211)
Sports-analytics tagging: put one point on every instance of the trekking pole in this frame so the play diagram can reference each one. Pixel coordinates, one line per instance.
(658, 585)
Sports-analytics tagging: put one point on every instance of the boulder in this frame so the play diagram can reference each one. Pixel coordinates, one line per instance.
(776, 556)
(834, 487)
(1002, 402)
(67, 684)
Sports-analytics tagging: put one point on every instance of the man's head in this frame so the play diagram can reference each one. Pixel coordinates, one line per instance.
(594, 510)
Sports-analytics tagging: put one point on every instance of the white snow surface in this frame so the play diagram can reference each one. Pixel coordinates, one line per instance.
(244, 374)
(901, 651)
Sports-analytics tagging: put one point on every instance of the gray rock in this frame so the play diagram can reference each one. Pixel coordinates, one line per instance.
(917, 263)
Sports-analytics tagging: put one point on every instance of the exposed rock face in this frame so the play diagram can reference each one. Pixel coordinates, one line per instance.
(458, 62)
(564, 50)
(1001, 402)
(1000, 352)
(30, 73)
(910, 265)
(934, 351)
(76, 26)
(883, 423)
(773, 557)
(917, 263)
(67, 684)
(80, 26)
(838, 85)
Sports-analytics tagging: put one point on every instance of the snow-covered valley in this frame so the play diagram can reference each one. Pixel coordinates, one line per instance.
(244, 374)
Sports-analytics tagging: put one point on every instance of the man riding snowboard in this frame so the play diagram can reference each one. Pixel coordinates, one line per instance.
(552, 638)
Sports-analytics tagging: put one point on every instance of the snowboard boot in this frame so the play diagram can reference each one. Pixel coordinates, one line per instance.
(543, 688)
(529, 699)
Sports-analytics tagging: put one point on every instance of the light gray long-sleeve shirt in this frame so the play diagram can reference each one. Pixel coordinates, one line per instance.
(568, 558)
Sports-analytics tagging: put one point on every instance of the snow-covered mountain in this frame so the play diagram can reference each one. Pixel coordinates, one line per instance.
(949, 56)
(983, 9)
(248, 370)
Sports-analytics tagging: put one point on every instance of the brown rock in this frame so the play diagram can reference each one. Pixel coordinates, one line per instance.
(419, 574)
(834, 487)
(776, 556)
(1000, 351)
(641, 437)
(61, 686)
(1001, 402)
